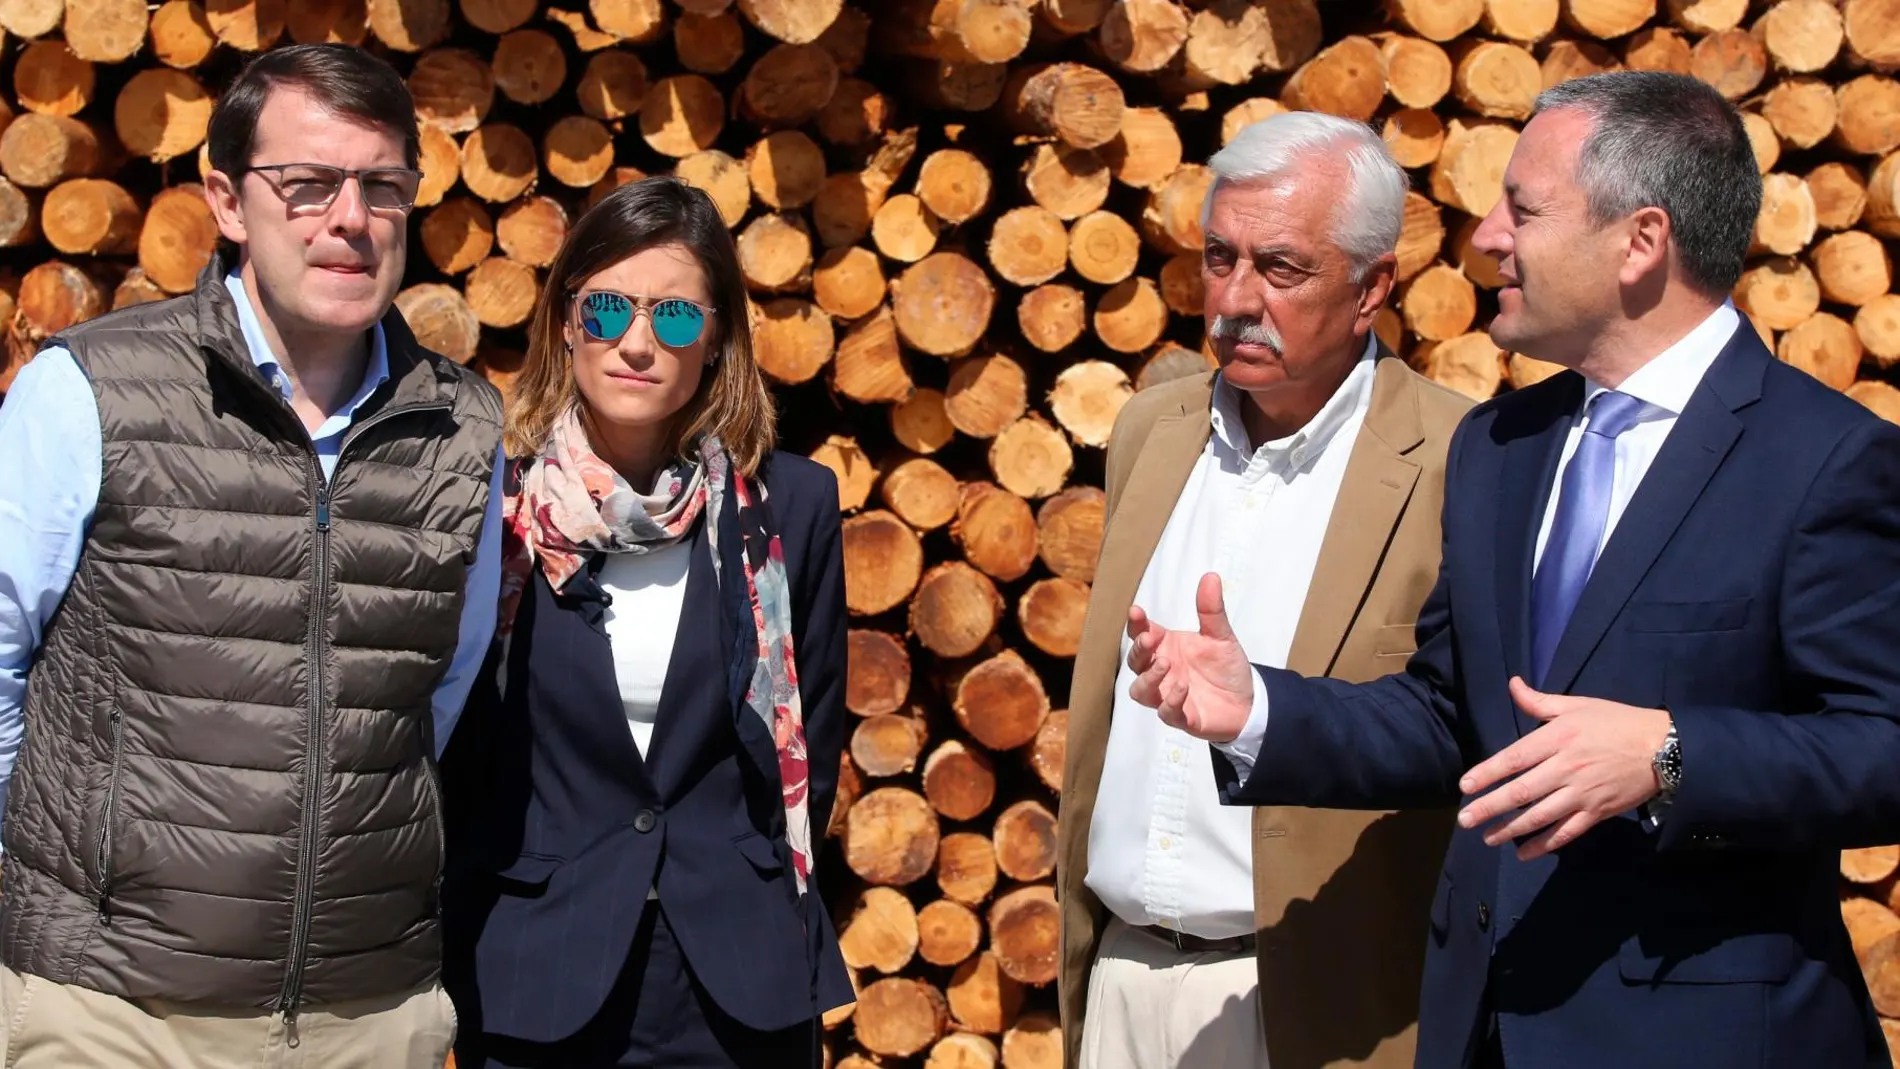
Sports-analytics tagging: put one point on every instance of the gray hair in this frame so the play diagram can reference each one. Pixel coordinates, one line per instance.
(1672, 142)
(1371, 211)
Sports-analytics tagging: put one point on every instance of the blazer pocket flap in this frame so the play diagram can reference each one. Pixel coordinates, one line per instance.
(1756, 957)
(528, 868)
(759, 850)
(1395, 640)
(1654, 616)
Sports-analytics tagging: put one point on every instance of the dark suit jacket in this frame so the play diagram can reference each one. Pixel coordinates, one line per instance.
(1339, 896)
(1752, 588)
(558, 827)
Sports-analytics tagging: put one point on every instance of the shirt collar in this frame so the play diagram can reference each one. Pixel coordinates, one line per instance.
(375, 371)
(1668, 381)
(1351, 399)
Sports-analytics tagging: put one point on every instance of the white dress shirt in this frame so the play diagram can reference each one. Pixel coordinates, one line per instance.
(648, 591)
(1664, 385)
(1162, 849)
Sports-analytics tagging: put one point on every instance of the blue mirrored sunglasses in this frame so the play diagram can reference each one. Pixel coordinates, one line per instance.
(677, 322)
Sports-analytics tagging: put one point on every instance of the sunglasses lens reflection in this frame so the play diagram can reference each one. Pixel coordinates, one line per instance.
(678, 324)
(606, 316)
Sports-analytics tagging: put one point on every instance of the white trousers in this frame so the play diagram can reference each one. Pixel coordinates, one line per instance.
(1151, 1006)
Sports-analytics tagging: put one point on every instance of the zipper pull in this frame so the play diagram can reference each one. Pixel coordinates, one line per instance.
(323, 510)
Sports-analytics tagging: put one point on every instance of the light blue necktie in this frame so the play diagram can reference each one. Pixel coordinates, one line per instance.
(1583, 508)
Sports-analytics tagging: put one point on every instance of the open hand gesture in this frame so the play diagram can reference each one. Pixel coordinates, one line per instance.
(1200, 682)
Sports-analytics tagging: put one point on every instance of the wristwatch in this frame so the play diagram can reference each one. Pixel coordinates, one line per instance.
(1668, 764)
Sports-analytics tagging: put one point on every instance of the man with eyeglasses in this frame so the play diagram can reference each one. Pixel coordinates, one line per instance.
(249, 562)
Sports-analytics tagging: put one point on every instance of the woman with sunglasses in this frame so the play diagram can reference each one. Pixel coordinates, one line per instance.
(638, 794)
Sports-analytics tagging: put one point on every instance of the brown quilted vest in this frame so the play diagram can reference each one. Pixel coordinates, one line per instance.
(225, 793)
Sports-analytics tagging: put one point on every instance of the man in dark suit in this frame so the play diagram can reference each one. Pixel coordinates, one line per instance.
(1662, 662)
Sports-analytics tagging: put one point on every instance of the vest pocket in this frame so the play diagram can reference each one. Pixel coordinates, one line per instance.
(439, 823)
(102, 852)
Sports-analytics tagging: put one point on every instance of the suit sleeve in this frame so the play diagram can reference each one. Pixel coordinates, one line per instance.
(1820, 773)
(821, 651)
(1393, 743)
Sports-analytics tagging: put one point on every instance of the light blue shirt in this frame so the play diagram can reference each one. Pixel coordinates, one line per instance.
(51, 466)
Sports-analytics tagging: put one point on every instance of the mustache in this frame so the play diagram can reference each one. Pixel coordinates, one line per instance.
(1247, 330)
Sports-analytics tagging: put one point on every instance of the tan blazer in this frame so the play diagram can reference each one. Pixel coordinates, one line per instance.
(1341, 898)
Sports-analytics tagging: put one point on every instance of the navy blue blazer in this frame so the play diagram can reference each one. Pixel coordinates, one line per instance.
(1752, 588)
(558, 827)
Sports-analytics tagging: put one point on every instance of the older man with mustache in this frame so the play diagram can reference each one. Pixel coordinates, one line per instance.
(1308, 472)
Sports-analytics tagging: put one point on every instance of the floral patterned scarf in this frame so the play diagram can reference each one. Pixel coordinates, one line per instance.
(568, 504)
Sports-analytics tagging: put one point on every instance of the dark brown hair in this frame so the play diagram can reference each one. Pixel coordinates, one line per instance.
(344, 79)
(732, 401)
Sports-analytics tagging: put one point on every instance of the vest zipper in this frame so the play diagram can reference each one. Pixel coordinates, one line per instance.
(104, 853)
(314, 648)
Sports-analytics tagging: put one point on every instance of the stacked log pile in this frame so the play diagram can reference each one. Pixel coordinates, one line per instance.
(971, 233)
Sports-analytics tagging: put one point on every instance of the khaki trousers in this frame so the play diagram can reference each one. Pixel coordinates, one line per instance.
(1151, 1006)
(46, 1025)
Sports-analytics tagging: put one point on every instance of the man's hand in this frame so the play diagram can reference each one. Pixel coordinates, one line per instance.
(1200, 682)
(1590, 760)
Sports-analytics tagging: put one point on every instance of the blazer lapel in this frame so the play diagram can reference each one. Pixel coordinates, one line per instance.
(1147, 501)
(1535, 444)
(1695, 448)
(1144, 501)
(1378, 481)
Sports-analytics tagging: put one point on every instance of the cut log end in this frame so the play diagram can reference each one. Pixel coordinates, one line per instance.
(1069, 532)
(1051, 749)
(1052, 316)
(1001, 703)
(983, 998)
(877, 676)
(898, 1017)
(890, 836)
(995, 530)
(854, 470)
(885, 746)
(943, 304)
(1087, 398)
(948, 932)
(1052, 612)
(1025, 931)
(922, 492)
(959, 782)
(792, 340)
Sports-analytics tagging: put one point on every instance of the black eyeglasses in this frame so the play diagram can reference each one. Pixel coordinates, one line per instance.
(315, 185)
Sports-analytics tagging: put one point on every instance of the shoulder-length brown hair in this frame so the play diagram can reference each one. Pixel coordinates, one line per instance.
(732, 401)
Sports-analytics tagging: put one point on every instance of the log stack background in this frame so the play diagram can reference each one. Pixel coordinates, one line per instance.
(970, 231)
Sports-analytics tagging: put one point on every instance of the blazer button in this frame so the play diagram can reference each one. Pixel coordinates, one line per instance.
(644, 820)
(1484, 916)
